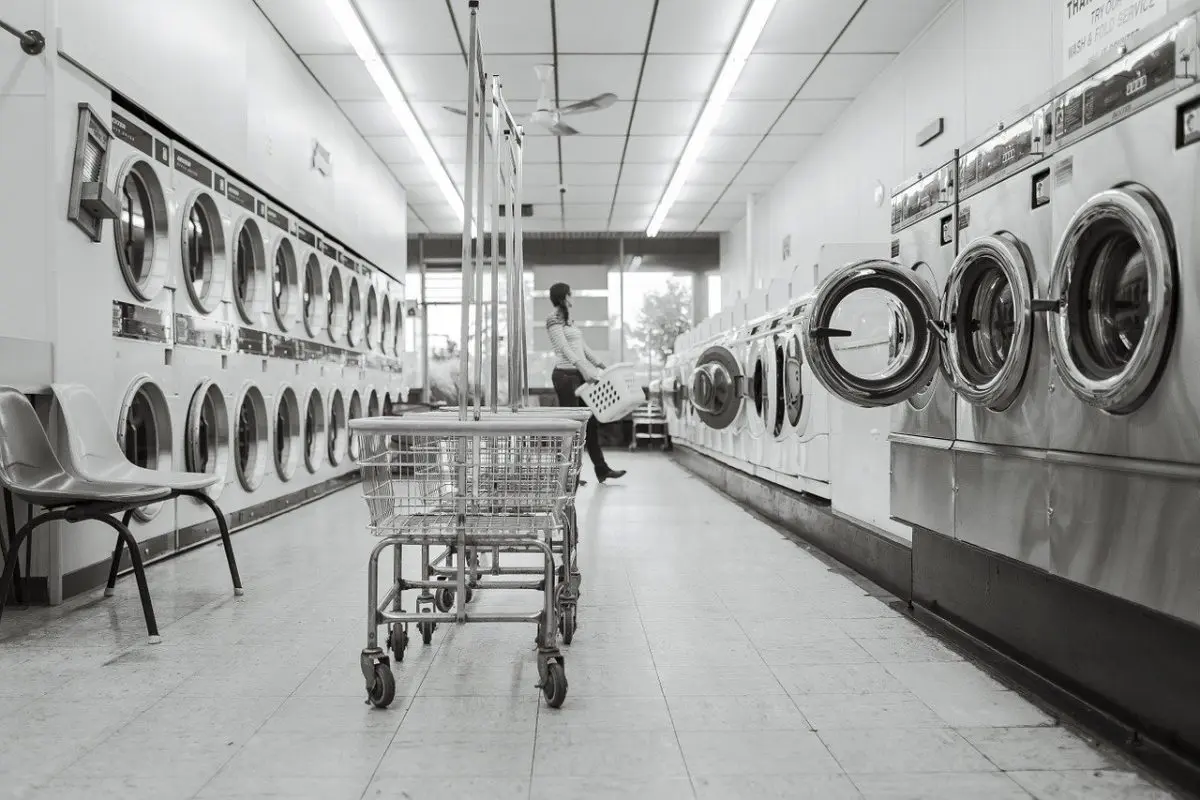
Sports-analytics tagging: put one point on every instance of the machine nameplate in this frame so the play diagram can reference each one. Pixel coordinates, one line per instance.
(282, 347)
(1001, 155)
(193, 169)
(204, 334)
(131, 321)
(252, 342)
(964, 217)
(278, 220)
(330, 251)
(349, 263)
(306, 236)
(133, 135)
(240, 197)
(1068, 113)
(1125, 82)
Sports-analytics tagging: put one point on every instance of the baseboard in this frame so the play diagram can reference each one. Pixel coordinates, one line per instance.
(169, 545)
(1125, 672)
(884, 559)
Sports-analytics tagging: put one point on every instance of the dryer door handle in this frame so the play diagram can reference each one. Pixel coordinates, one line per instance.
(830, 333)
(1044, 306)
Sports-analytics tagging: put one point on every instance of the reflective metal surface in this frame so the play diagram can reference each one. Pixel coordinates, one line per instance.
(717, 387)
(141, 228)
(1000, 501)
(922, 482)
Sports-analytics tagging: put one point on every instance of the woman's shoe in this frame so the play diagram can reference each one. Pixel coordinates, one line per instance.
(612, 473)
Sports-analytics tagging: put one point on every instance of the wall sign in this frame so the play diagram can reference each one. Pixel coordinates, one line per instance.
(1093, 28)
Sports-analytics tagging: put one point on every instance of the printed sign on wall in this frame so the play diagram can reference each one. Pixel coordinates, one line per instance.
(1092, 28)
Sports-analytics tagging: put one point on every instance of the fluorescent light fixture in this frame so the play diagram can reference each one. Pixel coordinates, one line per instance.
(352, 26)
(743, 44)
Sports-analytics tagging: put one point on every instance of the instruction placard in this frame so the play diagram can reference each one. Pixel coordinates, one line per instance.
(1092, 28)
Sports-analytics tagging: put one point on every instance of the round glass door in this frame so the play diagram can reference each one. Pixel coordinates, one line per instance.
(869, 335)
(988, 308)
(791, 386)
(1116, 279)
(760, 382)
(717, 389)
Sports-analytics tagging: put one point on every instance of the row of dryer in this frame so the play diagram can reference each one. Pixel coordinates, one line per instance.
(243, 339)
(1035, 333)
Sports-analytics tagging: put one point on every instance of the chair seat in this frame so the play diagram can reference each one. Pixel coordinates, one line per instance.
(126, 472)
(60, 489)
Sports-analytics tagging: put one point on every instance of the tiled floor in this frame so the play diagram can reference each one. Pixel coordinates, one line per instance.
(714, 659)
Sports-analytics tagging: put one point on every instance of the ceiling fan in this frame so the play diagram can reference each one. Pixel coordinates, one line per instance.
(548, 117)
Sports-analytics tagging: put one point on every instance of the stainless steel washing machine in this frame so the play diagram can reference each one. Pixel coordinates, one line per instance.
(996, 352)
(1125, 386)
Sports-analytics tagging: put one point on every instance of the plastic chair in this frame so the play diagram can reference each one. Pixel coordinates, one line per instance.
(31, 472)
(92, 452)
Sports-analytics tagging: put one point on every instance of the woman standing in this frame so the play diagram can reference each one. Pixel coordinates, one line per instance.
(576, 365)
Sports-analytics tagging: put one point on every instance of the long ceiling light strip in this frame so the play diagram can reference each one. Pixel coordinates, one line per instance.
(743, 44)
(356, 32)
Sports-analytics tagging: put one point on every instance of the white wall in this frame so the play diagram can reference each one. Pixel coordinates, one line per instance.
(219, 73)
(977, 63)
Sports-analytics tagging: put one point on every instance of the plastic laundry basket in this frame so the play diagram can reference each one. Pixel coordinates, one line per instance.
(613, 394)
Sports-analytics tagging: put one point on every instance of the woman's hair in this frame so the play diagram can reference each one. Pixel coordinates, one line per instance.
(558, 297)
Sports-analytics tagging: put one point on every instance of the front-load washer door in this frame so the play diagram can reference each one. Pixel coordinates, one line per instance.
(791, 380)
(872, 335)
(1116, 280)
(988, 308)
(759, 377)
(717, 387)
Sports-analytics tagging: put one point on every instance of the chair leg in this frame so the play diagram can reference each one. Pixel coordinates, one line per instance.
(116, 558)
(10, 519)
(225, 540)
(14, 554)
(139, 572)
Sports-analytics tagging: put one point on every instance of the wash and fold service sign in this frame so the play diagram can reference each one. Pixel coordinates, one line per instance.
(1092, 28)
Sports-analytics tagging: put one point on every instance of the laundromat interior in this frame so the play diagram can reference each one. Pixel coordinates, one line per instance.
(877, 470)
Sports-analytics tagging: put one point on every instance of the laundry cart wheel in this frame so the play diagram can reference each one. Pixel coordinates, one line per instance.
(566, 623)
(426, 629)
(554, 687)
(444, 600)
(397, 642)
(382, 691)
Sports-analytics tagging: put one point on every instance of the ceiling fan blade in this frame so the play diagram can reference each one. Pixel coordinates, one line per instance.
(600, 101)
(562, 129)
(454, 110)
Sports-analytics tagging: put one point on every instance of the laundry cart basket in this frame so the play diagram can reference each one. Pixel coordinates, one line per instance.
(496, 482)
(614, 394)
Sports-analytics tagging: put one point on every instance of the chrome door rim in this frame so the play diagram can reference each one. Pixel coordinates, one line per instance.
(1002, 389)
(1125, 391)
(713, 358)
(899, 383)
(757, 405)
(794, 405)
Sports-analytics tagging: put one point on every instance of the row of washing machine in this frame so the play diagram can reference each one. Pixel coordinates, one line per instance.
(1035, 331)
(243, 340)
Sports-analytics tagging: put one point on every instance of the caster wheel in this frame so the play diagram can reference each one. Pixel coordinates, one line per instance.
(383, 690)
(426, 629)
(444, 600)
(566, 623)
(554, 687)
(398, 642)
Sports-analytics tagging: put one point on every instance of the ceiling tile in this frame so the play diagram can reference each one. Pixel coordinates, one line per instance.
(633, 210)
(696, 26)
(588, 211)
(810, 116)
(518, 78)
(409, 26)
(773, 76)
(540, 175)
(764, 172)
(782, 147)
(394, 149)
(425, 194)
(451, 149)
(736, 193)
(306, 25)
(541, 150)
(629, 224)
(621, 28)
(343, 77)
(748, 116)
(411, 174)
(804, 26)
(592, 149)
(700, 192)
(590, 194)
(885, 26)
(437, 121)
(589, 75)
(728, 148)
(539, 195)
(679, 76)
(665, 117)
(674, 224)
(692, 210)
(372, 117)
(654, 149)
(713, 172)
(843, 76)
(521, 26)
(711, 225)
(640, 193)
(590, 175)
(430, 77)
(647, 174)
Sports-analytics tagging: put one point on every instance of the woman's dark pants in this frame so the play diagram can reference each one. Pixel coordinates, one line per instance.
(566, 381)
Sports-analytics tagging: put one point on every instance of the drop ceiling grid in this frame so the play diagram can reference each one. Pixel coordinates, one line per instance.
(813, 58)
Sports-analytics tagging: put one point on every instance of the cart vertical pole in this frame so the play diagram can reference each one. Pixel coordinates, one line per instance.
(464, 361)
